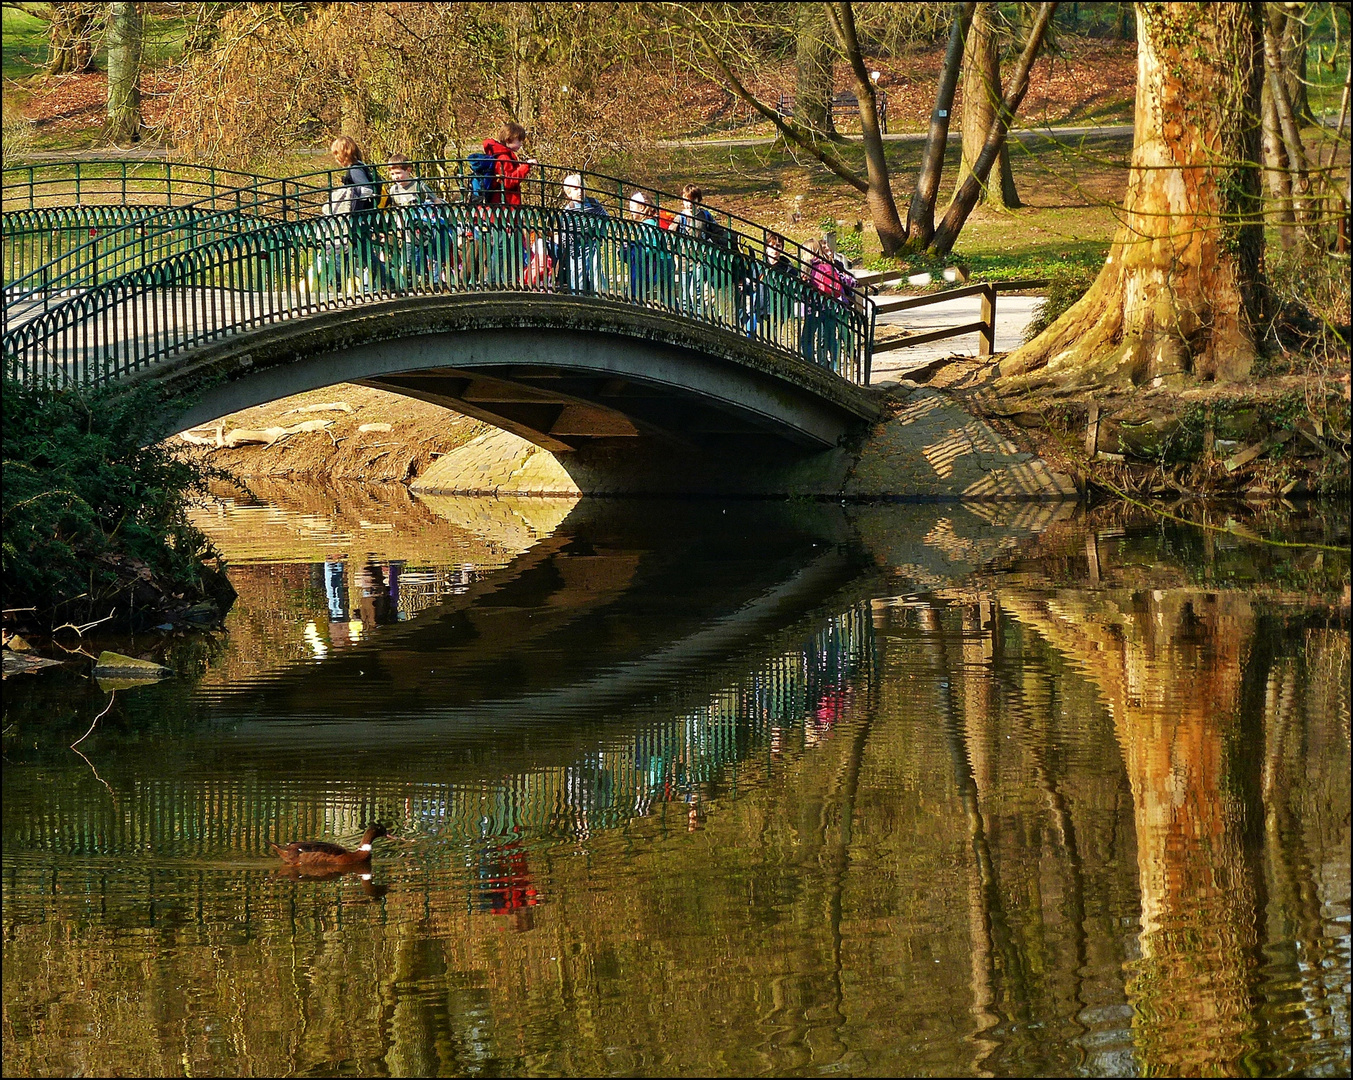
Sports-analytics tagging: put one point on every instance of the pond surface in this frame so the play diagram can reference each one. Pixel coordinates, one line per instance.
(689, 788)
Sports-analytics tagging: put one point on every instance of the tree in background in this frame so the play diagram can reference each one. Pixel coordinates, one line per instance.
(982, 95)
(125, 37)
(814, 72)
(1179, 294)
(970, 190)
(425, 80)
(73, 28)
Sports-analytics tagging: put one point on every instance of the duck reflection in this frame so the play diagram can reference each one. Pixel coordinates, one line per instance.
(364, 878)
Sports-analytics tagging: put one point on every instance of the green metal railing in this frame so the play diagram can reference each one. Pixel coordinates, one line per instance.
(58, 185)
(290, 270)
(47, 251)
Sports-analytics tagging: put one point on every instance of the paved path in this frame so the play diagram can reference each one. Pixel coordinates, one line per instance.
(1022, 134)
(1013, 314)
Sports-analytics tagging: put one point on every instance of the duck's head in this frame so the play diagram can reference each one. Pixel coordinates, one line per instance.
(373, 831)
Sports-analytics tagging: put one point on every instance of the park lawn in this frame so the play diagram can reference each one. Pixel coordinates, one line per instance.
(1070, 190)
(25, 44)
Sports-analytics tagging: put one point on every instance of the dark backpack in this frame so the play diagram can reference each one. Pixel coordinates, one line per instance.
(480, 184)
(716, 233)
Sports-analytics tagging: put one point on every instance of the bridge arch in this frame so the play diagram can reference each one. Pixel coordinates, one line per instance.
(560, 371)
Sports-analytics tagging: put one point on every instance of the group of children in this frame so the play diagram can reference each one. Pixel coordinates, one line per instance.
(650, 260)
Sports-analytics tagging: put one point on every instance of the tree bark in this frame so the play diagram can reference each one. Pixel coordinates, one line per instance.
(124, 73)
(921, 213)
(814, 75)
(965, 198)
(1179, 293)
(879, 196)
(1296, 36)
(1287, 122)
(70, 36)
(1279, 206)
(981, 97)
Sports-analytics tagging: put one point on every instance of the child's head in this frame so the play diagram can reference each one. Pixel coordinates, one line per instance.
(512, 135)
(573, 187)
(400, 169)
(692, 196)
(344, 149)
(639, 204)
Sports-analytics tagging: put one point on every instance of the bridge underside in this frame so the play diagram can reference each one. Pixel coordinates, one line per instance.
(628, 401)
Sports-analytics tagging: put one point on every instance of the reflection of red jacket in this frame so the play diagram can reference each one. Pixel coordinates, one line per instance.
(510, 173)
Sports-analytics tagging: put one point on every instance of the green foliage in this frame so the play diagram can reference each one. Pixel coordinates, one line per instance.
(94, 510)
(1065, 286)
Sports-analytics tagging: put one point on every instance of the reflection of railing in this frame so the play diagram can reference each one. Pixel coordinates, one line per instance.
(288, 270)
(798, 695)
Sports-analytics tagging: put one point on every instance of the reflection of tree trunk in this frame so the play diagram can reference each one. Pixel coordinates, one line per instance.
(981, 96)
(983, 893)
(1170, 667)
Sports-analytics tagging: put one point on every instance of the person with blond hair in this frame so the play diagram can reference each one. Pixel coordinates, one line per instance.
(351, 199)
(579, 238)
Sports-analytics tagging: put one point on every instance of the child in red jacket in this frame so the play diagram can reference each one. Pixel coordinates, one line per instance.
(509, 169)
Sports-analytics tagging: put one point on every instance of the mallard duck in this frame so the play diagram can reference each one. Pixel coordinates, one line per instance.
(318, 855)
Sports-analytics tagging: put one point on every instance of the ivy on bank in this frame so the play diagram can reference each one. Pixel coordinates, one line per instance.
(95, 510)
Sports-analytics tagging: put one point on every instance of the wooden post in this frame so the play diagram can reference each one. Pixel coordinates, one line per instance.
(1092, 431)
(988, 339)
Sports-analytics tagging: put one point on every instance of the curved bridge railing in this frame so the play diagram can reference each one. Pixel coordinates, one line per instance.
(160, 209)
(48, 248)
(289, 270)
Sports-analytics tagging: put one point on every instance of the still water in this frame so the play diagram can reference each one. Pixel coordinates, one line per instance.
(699, 788)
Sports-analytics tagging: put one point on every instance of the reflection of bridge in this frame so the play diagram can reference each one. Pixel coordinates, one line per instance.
(567, 328)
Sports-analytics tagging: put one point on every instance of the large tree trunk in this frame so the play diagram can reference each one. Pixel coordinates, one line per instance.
(921, 213)
(124, 73)
(70, 35)
(1179, 292)
(814, 78)
(967, 193)
(981, 97)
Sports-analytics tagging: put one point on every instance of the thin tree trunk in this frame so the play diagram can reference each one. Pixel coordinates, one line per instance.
(1180, 290)
(1296, 152)
(965, 198)
(921, 213)
(1275, 170)
(879, 196)
(1296, 37)
(124, 73)
(981, 97)
(814, 78)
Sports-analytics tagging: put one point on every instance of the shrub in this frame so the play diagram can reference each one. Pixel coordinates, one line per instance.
(1065, 287)
(94, 510)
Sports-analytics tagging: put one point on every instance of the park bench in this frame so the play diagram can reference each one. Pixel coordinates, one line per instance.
(844, 104)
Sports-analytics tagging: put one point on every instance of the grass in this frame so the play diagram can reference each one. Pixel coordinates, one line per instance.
(25, 44)
(1069, 187)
